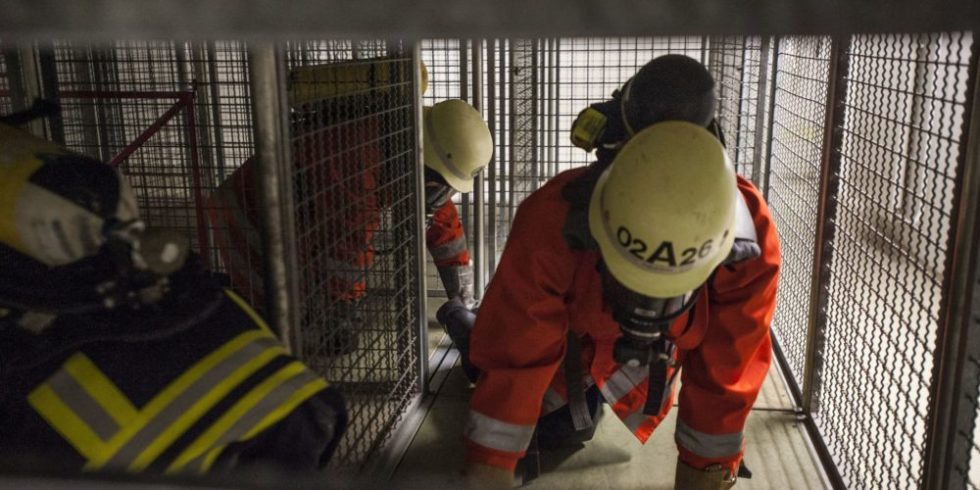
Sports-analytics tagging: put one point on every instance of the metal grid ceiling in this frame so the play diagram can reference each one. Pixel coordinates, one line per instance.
(353, 145)
(903, 115)
(794, 181)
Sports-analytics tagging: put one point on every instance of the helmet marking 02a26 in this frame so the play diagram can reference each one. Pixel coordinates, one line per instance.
(663, 213)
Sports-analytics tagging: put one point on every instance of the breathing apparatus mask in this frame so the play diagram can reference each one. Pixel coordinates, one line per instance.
(643, 320)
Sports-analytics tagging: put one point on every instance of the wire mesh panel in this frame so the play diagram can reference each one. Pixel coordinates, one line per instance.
(590, 69)
(175, 118)
(540, 87)
(129, 104)
(901, 140)
(442, 59)
(6, 105)
(734, 62)
(794, 181)
(353, 144)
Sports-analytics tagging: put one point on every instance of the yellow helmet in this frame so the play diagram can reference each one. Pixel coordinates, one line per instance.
(457, 142)
(663, 214)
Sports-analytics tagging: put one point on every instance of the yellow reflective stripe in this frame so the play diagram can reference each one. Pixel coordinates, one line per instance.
(301, 395)
(101, 389)
(65, 421)
(236, 413)
(210, 436)
(199, 408)
(249, 311)
(172, 391)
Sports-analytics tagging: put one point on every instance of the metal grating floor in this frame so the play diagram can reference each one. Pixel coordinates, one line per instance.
(777, 452)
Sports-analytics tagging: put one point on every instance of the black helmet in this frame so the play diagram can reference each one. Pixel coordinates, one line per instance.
(670, 87)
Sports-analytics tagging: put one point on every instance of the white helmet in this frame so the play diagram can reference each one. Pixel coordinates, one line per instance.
(457, 142)
(663, 214)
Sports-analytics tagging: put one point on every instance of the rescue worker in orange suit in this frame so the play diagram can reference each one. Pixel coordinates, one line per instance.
(344, 185)
(117, 350)
(616, 278)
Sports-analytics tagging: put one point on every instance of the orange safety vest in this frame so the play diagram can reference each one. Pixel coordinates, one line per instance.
(542, 289)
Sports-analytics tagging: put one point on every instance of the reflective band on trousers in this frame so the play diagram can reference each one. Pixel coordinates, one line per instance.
(623, 381)
(82, 404)
(449, 249)
(495, 434)
(708, 445)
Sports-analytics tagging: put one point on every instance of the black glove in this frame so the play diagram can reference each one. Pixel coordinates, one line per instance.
(458, 321)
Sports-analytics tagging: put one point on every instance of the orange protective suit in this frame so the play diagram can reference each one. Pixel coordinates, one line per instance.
(543, 288)
(337, 215)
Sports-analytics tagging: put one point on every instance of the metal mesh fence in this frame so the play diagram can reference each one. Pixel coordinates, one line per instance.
(540, 87)
(130, 104)
(6, 105)
(353, 143)
(901, 140)
(175, 118)
(794, 181)
(735, 64)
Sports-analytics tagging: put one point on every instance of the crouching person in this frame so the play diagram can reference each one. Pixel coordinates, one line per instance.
(118, 352)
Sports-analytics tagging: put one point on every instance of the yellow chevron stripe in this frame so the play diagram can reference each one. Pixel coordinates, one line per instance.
(101, 389)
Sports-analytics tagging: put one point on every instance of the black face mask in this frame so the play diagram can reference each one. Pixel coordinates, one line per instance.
(644, 320)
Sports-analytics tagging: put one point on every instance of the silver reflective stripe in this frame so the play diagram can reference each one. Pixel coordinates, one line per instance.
(449, 249)
(495, 434)
(85, 407)
(635, 419)
(256, 414)
(189, 397)
(622, 382)
(708, 445)
(441, 152)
